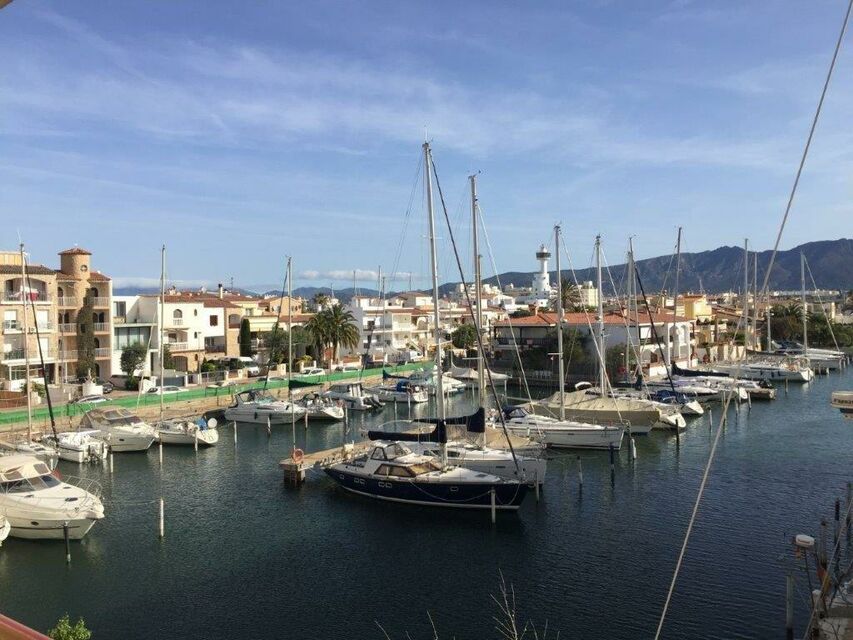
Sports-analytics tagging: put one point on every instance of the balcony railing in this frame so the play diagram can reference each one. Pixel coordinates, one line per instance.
(100, 301)
(67, 327)
(14, 297)
(100, 327)
(119, 319)
(18, 354)
(174, 322)
(215, 348)
(67, 301)
(15, 325)
(12, 325)
(177, 346)
(68, 355)
(102, 352)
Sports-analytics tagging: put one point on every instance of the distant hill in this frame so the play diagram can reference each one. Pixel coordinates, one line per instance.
(831, 263)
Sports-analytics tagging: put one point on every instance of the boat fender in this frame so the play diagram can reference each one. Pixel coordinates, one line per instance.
(298, 455)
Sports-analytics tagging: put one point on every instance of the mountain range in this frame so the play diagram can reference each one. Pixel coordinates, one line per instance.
(713, 271)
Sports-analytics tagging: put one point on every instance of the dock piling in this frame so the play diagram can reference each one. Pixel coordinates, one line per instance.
(269, 426)
(234, 424)
(65, 535)
(837, 530)
(195, 440)
(494, 506)
(580, 472)
(612, 464)
(160, 447)
(789, 607)
(162, 519)
(632, 447)
(847, 510)
(111, 463)
(536, 486)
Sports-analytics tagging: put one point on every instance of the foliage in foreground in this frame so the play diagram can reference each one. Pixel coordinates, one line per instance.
(64, 630)
(508, 626)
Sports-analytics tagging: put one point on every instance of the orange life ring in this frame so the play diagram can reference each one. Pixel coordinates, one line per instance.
(298, 455)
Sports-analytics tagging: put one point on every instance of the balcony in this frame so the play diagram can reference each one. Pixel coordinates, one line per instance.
(100, 301)
(102, 352)
(18, 354)
(67, 301)
(68, 355)
(67, 327)
(14, 297)
(177, 346)
(174, 322)
(214, 348)
(10, 326)
(119, 319)
(100, 327)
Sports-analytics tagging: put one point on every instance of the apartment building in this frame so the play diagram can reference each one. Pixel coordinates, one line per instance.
(67, 313)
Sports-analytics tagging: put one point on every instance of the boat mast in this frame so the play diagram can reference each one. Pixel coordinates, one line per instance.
(26, 347)
(561, 374)
(745, 295)
(439, 378)
(756, 341)
(160, 323)
(290, 349)
(677, 274)
(602, 374)
(478, 298)
(631, 299)
(805, 308)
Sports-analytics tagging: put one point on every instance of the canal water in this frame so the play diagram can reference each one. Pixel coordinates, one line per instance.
(245, 557)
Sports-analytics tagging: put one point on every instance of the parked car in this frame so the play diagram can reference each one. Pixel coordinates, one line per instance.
(250, 366)
(348, 366)
(106, 385)
(222, 383)
(166, 389)
(312, 371)
(92, 399)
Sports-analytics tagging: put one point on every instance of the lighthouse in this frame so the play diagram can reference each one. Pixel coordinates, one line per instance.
(541, 287)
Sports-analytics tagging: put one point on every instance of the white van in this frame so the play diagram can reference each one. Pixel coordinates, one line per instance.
(250, 366)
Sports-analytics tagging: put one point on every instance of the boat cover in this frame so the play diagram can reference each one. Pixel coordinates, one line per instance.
(475, 423)
(439, 434)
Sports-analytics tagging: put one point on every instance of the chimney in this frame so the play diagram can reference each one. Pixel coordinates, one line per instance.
(221, 291)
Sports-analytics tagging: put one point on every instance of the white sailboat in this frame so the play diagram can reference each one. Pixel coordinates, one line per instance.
(121, 429)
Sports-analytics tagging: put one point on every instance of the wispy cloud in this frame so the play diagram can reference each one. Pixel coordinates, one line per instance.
(359, 275)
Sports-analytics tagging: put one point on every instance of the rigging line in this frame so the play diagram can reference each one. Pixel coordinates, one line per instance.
(473, 317)
(666, 365)
(41, 351)
(516, 350)
(806, 151)
(820, 300)
(623, 309)
(399, 251)
(764, 289)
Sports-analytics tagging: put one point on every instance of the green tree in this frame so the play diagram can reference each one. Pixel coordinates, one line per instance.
(342, 330)
(132, 356)
(64, 630)
(168, 360)
(318, 330)
(521, 313)
(276, 341)
(465, 336)
(245, 339)
(86, 339)
(320, 300)
(571, 297)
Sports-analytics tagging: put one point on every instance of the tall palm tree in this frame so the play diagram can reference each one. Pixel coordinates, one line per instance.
(320, 300)
(571, 296)
(318, 331)
(342, 330)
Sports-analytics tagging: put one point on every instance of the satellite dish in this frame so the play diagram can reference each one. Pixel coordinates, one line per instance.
(211, 424)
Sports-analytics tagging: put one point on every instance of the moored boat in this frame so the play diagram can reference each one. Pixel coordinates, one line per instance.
(121, 429)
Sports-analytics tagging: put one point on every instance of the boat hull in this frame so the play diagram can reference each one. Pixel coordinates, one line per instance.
(206, 438)
(47, 529)
(605, 438)
(129, 443)
(464, 495)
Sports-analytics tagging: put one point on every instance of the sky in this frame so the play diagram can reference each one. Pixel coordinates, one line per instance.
(240, 133)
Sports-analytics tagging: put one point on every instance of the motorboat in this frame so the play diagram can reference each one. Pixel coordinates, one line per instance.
(391, 471)
(259, 407)
(121, 429)
(402, 391)
(39, 506)
(429, 382)
(5, 528)
(44, 451)
(469, 377)
(81, 446)
(686, 405)
(319, 408)
(354, 397)
(186, 432)
(843, 401)
(792, 370)
(562, 434)
(822, 358)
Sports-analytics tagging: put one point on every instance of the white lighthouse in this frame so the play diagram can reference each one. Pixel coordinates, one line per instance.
(541, 288)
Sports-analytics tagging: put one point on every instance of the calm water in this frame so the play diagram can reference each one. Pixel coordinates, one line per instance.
(245, 557)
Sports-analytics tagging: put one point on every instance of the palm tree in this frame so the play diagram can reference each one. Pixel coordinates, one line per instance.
(571, 296)
(320, 300)
(318, 331)
(342, 330)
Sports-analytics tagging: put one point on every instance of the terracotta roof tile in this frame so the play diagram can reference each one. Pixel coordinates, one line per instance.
(75, 251)
(32, 269)
(98, 276)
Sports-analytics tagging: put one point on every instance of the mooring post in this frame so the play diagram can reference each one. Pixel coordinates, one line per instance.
(786, 386)
(612, 464)
(494, 506)
(160, 448)
(235, 432)
(162, 519)
(632, 447)
(789, 607)
(111, 463)
(195, 439)
(66, 535)
(536, 485)
(837, 531)
(580, 472)
(306, 419)
(847, 510)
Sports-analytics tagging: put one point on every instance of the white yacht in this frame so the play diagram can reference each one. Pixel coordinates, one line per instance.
(187, 432)
(258, 406)
(497, 462)
(44, 451)
(5, 528)
(81, 446)
(121, 429)
(401, 391)
(320, 408)
(38, 505)
(562, 434)
(792, 371)
(427, 380)
(353, 395)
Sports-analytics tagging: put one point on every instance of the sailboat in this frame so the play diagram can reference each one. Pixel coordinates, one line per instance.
(199, 432)
(391, 471)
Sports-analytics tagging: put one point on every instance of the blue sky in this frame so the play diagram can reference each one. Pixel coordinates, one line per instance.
(238, 133)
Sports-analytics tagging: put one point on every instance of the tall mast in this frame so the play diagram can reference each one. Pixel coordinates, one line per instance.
(478, 298)
(745, 295)
(160, 324)
(26, 346)
(756, 341)
(290, 338)
(439, 379)
(677, 274)
(631, 300)
(601, 372)
(561, 374)
(805, 308)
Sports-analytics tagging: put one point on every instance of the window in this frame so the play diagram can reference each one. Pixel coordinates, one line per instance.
(195, 312)
(177, 314)
(214, 321)
(378, 454)
(383, 470)
(120, 309)
(126, 336)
